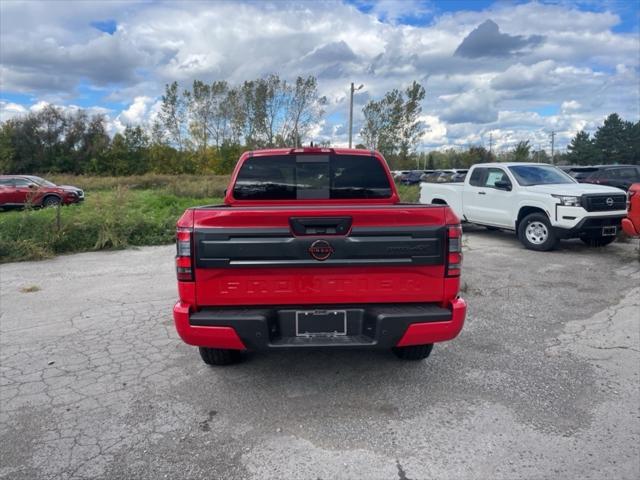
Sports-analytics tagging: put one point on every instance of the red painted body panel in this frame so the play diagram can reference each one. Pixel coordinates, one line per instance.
(287, 286)
(433, 332)
(631, 224)
(318, 285)
(212, 337)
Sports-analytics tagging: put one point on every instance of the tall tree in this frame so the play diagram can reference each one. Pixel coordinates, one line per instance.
(521, 152)
(305, 108)
(220, 126)
(383, 123)
(392, 125)
(199, 102)
(7, 150)
(277, 97)
(411, 128)
(253, 105)
(581, 150)
(172, 115)
(235, 111)
(632, 154)
(610, 139)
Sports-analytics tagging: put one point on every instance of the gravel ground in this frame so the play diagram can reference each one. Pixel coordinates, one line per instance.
(542, 383)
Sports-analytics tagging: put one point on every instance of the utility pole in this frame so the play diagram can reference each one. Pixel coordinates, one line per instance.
(553, 139)
(490, 142)
(353, 90)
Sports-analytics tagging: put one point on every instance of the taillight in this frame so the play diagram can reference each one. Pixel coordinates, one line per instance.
(184, 266)
(454, 250)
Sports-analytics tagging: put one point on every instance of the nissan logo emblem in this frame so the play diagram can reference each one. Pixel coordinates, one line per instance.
(609, 202)
(320, 250)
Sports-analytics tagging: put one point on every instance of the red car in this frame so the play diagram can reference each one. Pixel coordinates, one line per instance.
(312, 248)
(21, 190)
(631, 224)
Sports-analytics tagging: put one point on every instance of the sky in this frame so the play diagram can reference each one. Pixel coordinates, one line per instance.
(494, 71)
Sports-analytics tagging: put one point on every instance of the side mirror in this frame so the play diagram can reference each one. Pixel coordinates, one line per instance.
(32, 186)
(503, 185)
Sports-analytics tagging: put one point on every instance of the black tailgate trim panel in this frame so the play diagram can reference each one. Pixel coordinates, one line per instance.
(277, 247)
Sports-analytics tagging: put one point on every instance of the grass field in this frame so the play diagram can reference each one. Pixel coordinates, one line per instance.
(118, 212)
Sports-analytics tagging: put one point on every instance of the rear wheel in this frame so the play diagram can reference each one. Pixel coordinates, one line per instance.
(220, 356)
(598, 241)
(413, 352)
(535, 233)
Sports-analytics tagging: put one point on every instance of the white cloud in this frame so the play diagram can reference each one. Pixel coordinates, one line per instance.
(142, 112)
(10, 110)
(435, 131)
(570, 106)
(582, 67)
(521, 76)
(474, 106)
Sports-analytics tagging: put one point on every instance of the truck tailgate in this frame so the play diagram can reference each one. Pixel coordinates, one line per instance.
(296, 255)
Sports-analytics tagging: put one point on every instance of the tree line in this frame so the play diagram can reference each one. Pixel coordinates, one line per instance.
(205, 128)
(198, 130)
(616, 141)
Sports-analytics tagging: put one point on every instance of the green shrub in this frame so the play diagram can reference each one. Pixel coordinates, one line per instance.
(108, 219)
(408, 193)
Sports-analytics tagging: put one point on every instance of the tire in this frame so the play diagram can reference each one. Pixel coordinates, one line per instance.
(50, 201)
(535, 233)
(598, 241)
(414, 352)
(220, 356)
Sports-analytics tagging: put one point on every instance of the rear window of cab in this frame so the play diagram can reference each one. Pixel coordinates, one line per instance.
(311, 177)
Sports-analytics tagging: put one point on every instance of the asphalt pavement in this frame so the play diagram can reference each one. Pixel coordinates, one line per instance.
(543, 382)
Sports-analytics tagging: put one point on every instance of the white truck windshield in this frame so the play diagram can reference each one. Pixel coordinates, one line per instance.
(528, 175)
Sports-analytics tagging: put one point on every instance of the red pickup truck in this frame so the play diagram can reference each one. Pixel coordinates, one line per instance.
(313, 248)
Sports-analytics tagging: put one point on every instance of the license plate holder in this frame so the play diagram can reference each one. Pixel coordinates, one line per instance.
(321, 323)
(609, 231)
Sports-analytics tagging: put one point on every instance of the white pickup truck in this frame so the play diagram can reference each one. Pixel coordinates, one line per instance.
(539, 202)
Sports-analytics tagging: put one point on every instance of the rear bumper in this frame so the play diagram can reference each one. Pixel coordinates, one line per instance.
(629, 228)
(368, 326)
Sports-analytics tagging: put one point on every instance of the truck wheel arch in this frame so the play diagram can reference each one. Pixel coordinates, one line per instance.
(438, 201)
(524, 211)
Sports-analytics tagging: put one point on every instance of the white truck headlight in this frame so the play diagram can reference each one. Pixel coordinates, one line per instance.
(568, 200)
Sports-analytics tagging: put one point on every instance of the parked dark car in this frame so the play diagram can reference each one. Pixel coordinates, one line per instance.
(21, 190)
(412, 178)
(432, 177)
(459, 176)
(446, 176)
(621, 176)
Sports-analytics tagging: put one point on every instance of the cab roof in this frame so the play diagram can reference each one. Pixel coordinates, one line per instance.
(309, 150)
